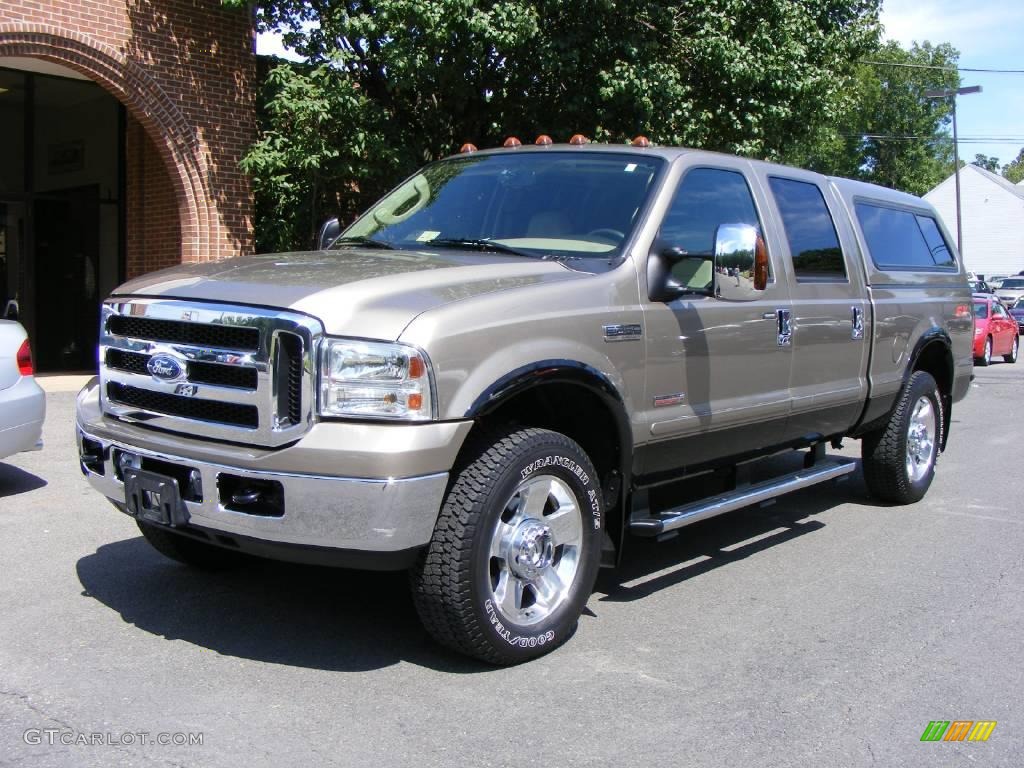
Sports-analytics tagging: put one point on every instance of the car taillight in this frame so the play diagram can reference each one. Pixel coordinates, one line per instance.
(24, 358)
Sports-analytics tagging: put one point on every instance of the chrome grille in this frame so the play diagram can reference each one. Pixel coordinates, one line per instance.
(209, 370)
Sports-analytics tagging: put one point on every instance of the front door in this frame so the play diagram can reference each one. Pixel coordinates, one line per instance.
(717, 374)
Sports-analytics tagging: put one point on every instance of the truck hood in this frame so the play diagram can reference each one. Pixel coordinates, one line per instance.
(354, 292)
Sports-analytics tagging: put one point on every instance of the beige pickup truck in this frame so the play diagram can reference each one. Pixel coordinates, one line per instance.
(506, 367)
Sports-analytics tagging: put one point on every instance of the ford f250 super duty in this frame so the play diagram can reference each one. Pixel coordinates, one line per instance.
(498, 374)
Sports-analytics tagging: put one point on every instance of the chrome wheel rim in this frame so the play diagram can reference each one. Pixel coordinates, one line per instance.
(988, 350)
(921, 435)
(1013, 352)
(535, 550)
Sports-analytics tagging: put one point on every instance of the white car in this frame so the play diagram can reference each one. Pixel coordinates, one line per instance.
(22, 401)
(1010, 289)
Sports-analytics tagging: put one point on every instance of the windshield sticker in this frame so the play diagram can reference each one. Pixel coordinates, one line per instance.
(630, 168)
(426, 236)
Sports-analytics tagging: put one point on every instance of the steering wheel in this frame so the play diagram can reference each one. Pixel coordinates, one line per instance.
(607, 233)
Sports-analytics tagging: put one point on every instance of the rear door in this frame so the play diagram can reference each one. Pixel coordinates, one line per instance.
(831, 314)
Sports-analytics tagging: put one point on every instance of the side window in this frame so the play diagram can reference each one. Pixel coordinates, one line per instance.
(810, 231)
(706, 199)
(999, 311)
(941, 254)
(896, 241)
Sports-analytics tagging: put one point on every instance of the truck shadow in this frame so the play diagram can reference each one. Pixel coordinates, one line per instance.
(649, 566)
(342, 620)
(14, 480)
(303, 616)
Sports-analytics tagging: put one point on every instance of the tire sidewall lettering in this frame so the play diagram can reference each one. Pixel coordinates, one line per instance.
(571, 466)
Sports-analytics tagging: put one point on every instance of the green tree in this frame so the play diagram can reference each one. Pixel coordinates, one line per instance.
(391, 84)
(1014, 170)
(986, 162)
(890, 133)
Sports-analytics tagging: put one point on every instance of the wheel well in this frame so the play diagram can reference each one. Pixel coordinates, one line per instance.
(937, 360)
(583, 415)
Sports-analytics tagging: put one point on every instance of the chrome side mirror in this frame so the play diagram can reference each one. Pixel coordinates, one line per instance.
(328, 233)
(740, 263)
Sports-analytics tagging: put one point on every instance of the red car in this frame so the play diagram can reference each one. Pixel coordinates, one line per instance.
(995, 332)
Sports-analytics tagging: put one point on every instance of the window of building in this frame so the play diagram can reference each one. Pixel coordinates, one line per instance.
(810, 231)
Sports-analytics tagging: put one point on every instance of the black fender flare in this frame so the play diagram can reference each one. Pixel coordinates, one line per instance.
(546, 372)
(935, 335)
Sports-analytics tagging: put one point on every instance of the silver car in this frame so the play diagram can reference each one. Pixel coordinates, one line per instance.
(22, 401)
(1011, 289)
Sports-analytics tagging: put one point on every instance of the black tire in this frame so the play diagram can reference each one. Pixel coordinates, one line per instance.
(889, 469)
(457, 580)
(1012, 357)
(986, 356)
(189, 551)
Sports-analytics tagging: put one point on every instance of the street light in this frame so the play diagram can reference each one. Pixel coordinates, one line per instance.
(945, 93)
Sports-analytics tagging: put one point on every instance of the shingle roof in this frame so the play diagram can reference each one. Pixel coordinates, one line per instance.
(1009, 186)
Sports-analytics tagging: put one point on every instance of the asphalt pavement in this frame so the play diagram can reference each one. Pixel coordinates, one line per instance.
(825, 630)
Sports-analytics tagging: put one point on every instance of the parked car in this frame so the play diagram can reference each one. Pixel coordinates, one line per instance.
(22, 402)
(980, 286)
(995, 280)
(1010, 289)
(995, 332)
(1017, 313)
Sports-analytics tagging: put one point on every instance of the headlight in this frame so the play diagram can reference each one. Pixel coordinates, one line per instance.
(373, 380)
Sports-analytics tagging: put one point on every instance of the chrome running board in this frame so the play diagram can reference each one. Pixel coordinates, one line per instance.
(678, 517)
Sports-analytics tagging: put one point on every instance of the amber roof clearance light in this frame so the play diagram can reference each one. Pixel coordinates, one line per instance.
(512, 142)
(543, 140)
(578, 140)
(466, 148)
(641, 141)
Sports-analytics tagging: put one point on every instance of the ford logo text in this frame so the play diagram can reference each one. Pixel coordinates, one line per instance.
(164, 368)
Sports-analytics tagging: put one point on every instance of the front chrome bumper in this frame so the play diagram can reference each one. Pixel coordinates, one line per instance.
(357, 514)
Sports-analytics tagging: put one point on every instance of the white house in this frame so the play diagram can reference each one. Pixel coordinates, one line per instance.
(992, 212)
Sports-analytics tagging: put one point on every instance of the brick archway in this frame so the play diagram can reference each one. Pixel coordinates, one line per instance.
(148, 103)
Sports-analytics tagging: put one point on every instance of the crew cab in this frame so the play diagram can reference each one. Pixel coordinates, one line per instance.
(497, 375)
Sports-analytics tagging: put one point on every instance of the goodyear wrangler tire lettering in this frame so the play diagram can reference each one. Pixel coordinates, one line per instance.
(516, 548)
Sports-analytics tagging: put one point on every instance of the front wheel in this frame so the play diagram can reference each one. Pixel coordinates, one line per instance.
(516, 548)
(1012, 357)
(899, 459)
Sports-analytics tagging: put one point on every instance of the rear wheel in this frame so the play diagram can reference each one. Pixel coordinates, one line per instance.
(189, 551)
(516, 548)
(1012, 357)
(899, 460)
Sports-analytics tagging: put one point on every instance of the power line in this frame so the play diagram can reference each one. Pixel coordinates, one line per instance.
(961, 140)
(945, 69)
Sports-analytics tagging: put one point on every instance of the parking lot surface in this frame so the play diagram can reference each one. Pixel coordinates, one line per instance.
(825, 630)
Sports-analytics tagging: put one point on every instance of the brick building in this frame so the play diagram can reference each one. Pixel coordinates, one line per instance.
(122, 123)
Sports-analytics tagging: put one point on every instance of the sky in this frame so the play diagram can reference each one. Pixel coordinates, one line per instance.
(989, 35)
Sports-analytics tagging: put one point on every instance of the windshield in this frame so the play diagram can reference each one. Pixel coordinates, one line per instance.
(561, 205)
(981, 309)
(1012, 282)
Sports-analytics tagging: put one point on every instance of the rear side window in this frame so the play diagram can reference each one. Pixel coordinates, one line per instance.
(810, 231)
(896, 239)
(981, 310)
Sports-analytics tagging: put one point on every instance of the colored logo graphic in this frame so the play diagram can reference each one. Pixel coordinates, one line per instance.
(958, 730)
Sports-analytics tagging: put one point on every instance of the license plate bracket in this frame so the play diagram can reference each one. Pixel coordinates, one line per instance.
(154, 498)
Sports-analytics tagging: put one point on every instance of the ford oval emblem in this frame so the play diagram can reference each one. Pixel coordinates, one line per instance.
(164, 368)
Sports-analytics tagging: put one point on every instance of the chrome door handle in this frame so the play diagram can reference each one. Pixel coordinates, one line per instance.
(858, 323)
(785, 327)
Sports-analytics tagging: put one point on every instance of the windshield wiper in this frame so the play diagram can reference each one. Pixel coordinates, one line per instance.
(478, 244)
(364, 241)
